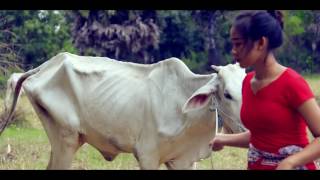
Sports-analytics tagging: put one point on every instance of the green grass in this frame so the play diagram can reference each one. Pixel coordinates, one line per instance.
(314, 82)
(30, 147)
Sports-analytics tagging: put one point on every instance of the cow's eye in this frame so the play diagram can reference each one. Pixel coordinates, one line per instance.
(227, 95)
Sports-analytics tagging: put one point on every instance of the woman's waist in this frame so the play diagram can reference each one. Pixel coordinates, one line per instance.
(279, 153)
(273, 145)
(258, 156)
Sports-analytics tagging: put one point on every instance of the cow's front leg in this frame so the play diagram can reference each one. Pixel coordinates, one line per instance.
(148, 161)
(147, 156)
(181, 164)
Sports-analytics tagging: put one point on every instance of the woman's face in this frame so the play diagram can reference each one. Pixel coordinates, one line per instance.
(244, 51)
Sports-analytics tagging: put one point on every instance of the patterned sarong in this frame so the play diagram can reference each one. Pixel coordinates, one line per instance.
(258, 159)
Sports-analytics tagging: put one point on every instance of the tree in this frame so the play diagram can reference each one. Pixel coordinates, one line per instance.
(116, 34)
(313, 37)
(299, 40)
(38, 34)
(9, 50)
(181, 38)
(207, 20)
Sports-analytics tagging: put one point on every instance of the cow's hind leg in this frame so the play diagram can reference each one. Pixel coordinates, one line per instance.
(63, 148)
(64, 141)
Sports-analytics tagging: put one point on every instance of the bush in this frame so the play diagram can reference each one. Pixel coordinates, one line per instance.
(196, 61)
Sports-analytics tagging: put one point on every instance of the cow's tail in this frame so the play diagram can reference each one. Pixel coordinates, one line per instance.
(7, 114)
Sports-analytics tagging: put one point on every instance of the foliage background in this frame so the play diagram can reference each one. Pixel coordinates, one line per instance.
(199, 37)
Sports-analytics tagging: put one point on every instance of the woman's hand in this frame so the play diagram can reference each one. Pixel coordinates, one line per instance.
(216, 143)
(285, 165)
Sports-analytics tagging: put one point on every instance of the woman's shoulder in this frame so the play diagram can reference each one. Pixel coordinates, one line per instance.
(295, 81)
(292, 75)
(297, 88)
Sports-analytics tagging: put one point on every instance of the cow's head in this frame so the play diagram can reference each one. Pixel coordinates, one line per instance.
(225, 87)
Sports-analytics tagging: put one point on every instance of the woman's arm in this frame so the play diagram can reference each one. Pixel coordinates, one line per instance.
(236, 140)
(311, 112)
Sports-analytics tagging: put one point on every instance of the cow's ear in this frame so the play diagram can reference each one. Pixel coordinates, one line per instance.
(196, 101)
(216, 68)
(202, 96)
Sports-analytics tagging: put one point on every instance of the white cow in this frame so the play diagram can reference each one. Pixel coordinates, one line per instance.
(159, 112)
(11, 84)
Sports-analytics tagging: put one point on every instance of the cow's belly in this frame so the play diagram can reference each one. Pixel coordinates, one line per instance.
(120, 134)
(118, 123)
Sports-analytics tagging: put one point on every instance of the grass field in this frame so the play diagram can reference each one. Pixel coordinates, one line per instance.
(30, 148)
(314, 81)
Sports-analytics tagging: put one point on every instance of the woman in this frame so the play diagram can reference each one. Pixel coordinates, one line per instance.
(277, 103)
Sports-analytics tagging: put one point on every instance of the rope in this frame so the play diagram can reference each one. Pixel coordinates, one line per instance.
(214, 107)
